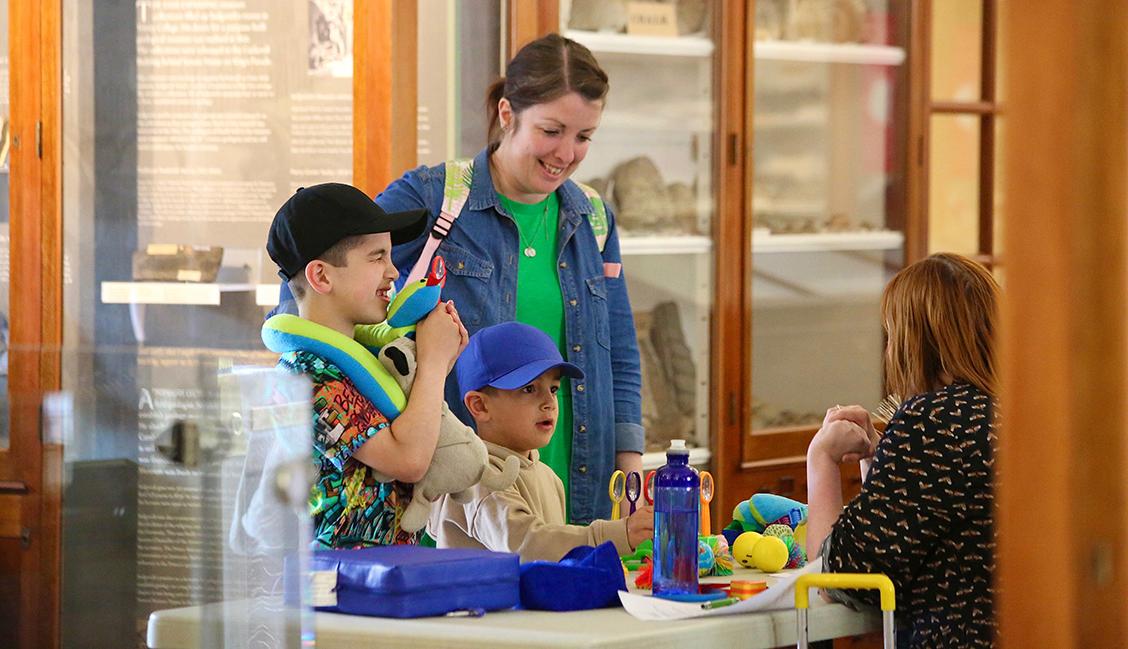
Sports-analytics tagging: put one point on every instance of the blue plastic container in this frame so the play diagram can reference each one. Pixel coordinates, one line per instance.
(677, 515)
(410, 581)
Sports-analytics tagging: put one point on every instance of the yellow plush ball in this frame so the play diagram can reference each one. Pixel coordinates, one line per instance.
(742, 548)
(770, 554)
(801, 534)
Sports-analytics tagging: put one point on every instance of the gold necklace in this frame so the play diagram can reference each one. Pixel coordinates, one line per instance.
(530, 251)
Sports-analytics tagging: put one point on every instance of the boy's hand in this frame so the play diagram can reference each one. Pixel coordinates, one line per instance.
(640, 525)
(440, 337)
(461, 328)
(841, 440)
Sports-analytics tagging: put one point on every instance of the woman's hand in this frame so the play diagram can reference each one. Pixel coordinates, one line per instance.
(860, 417)
(840, 441)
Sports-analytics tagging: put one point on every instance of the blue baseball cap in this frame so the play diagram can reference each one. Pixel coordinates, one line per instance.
(508, 356)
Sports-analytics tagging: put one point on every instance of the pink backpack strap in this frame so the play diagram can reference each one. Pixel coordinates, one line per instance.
(456, 191)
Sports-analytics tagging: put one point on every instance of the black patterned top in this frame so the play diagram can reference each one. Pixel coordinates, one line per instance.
(924, 518)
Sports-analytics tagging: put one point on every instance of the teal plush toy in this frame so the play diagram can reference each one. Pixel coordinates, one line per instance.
(357, 356)
(762, 510)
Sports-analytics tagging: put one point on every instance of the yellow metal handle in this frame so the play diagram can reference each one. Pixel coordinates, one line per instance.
(844, 580)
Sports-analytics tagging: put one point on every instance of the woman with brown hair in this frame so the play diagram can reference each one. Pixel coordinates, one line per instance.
(524, 242)
(925, 514)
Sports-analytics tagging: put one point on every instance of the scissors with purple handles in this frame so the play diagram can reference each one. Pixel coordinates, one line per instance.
(634, 489)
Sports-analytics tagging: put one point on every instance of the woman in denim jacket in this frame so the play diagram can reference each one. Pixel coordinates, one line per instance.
(530, 245)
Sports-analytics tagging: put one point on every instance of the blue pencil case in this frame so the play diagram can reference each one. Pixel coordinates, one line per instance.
(412, 581)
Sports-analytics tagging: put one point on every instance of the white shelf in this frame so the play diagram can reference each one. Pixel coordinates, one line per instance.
(608, 43)
(677, 121)
(789, 207)
(184, 293)
(816, 242)
(697, 457)
(685, 244)
(828, 52)
(266, 294)
(802, 119)
(827, 241)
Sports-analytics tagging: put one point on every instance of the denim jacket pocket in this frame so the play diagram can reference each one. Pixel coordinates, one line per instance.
(472, 295)
(597, 287)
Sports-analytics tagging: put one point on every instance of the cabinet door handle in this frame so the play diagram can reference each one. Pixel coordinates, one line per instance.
(12, 487)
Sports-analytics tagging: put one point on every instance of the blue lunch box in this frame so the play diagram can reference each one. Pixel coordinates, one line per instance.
(412, 581)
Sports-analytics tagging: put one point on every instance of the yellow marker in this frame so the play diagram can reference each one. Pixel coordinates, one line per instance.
(617, 489)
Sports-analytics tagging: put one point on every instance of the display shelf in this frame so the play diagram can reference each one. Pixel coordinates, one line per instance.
(698, 456)
(829, 52)
(792, 207)
(678, 122)
(805, 120)
(183, 293)
(684, 244)
(607, 43)
(827, 241)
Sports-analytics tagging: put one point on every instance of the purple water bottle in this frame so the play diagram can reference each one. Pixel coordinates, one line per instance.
(677, 503)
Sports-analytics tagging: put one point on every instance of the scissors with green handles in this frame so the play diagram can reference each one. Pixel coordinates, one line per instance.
(617, 489)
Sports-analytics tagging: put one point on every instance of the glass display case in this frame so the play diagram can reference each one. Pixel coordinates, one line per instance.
(827, 203)
(653, 160)
(183, 132)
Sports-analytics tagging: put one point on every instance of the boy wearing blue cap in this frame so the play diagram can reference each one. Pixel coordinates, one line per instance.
(333, 246)
(508, 376)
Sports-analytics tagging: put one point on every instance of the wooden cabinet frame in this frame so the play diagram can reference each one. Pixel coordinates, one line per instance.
(29, 468)
(923, 107)
(775, 460)
(732, 236)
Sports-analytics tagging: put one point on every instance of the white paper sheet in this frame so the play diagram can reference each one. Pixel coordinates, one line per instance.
(778, 597)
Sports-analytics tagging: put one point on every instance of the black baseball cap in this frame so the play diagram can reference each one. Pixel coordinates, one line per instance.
(315, 218)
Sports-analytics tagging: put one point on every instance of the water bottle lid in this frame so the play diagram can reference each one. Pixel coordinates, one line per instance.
(677, 445)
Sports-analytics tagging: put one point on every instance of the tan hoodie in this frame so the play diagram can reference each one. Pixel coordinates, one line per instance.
(528, 518)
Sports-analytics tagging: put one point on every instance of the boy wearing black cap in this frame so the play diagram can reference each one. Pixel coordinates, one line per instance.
(333, 246)
(508, 377)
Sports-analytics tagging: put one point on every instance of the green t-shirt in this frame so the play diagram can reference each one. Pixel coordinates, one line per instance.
(541, 304)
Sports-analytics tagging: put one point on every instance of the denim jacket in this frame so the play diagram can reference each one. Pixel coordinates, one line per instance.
(481, 261)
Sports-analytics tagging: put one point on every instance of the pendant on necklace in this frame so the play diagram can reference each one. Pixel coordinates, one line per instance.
(530, 252)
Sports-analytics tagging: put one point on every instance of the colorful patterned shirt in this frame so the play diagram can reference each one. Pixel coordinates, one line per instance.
(350, 509)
